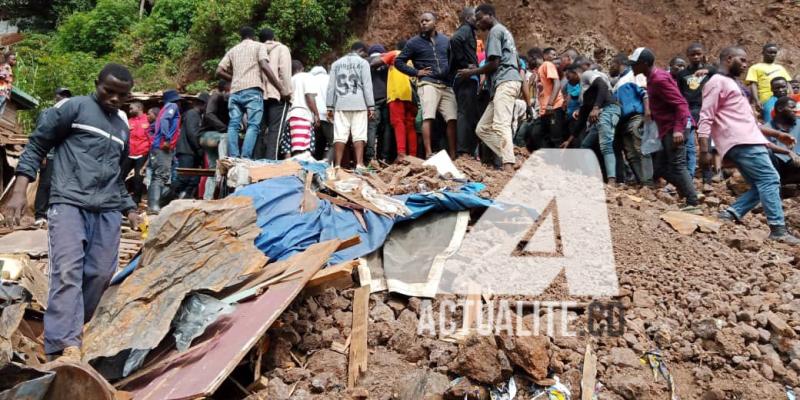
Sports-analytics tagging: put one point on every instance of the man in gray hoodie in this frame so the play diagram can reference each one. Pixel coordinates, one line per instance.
(350, 102)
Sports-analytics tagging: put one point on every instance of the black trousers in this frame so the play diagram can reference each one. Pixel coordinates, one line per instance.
(137, 182)
(269, 141)
(553, 128)
(42, 200)
(187, 184)
(469, 114)
(323, 137)
(672, 164)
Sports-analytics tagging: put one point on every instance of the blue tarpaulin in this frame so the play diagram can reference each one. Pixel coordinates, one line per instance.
(286, 231)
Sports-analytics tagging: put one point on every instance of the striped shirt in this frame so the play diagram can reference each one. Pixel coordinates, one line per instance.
(242, 63)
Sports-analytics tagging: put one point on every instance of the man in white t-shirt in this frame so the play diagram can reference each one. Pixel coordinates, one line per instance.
(303, 115)
(324, 133)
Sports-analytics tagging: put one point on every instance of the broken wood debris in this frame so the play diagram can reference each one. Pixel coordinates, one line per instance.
(358, 344)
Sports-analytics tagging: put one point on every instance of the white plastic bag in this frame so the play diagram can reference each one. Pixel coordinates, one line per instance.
(650, 141)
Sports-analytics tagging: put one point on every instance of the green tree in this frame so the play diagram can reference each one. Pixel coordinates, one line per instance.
(94, 31)
(309, 27)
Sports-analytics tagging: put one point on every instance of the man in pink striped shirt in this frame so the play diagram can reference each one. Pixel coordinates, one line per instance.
(726, 117)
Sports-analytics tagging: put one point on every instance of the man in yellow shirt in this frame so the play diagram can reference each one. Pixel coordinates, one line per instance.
(760, 75)
(402, 110)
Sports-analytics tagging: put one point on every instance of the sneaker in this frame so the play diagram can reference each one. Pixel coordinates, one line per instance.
(612, 182)
(40, 222)
(781, 234)
(707, 188)
(689, 209)
(71, 354)
(727, 216)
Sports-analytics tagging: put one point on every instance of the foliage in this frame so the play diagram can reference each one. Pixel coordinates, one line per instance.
(94, 31)
(309, 27)
(40, 70)
(198, 86)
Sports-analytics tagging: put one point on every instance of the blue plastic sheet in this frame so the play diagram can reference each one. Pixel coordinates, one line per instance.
(463, 199)
(286, 231)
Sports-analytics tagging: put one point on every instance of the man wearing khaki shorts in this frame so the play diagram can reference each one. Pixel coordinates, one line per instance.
(350, 103)
(502, 68)
(428, 54)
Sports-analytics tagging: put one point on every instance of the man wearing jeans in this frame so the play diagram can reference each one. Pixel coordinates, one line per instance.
(670, 111)
(601, 111)
(502, 66)
(243, 66)
(726, 117)
(165, 138)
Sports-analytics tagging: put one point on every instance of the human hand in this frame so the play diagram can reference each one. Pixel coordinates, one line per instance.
(371, 114)
(135, 219)
(677, 138)
(786, 139)
(594, 115)
(330, 116)
(424, 72)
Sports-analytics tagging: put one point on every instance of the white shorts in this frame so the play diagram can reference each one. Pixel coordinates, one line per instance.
(346, 123)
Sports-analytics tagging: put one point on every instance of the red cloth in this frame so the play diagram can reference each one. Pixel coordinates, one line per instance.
(300, 131)
(402, 115)
(140, 141)
(668, 107)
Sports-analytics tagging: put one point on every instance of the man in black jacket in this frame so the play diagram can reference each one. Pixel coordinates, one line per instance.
(428, 53)
(87, 201)
(215, 125)
(188, 152)
(462, 55)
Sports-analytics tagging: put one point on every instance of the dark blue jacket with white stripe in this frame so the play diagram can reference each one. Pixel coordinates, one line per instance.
(90, 144)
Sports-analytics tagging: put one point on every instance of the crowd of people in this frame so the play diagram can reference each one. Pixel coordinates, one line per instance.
(472, 97)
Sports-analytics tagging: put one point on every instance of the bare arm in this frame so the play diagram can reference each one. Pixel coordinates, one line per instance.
(224, 74)
(554, 94)
(273, 79)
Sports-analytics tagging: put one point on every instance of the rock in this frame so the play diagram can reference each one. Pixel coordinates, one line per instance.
(738, 359)
(764, 335)
(311, 341)
(279, 355)
(342, 318)
(766, 370)
(642, 299)
(327, 360)
(712, 201)
(463, 389)
(381, 313)
(703, 374)
(478, 360)
(278, 390)
(744, 243)
(293, 375)
(301, 394)
(414, 304)
(396, 304)
(379, 333)
(731, 343)
(328, 298)
(778, 325)
(423, 385)
(795, 365)
(744, 316)
(530, 353)
(747, 332)
(713, 394)
(706, 328)
(622, 357)
(320, 382)
(440, 353)
(329, 336)
(629, 387)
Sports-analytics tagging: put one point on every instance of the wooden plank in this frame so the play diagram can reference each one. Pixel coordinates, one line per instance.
(330, 276)
(358, 343)
(269, 171)
(196, 172)
(199, 371)
(589, 373)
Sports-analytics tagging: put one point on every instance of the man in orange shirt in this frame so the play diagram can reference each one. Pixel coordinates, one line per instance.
(551, 99)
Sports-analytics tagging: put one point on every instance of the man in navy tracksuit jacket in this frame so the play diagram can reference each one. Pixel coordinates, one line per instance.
(87, 200)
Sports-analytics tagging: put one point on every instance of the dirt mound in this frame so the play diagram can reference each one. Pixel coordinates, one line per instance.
(722, 308)
(601, 28)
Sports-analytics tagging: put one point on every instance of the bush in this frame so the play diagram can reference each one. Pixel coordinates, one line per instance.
(309, 27)
(94, 31)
